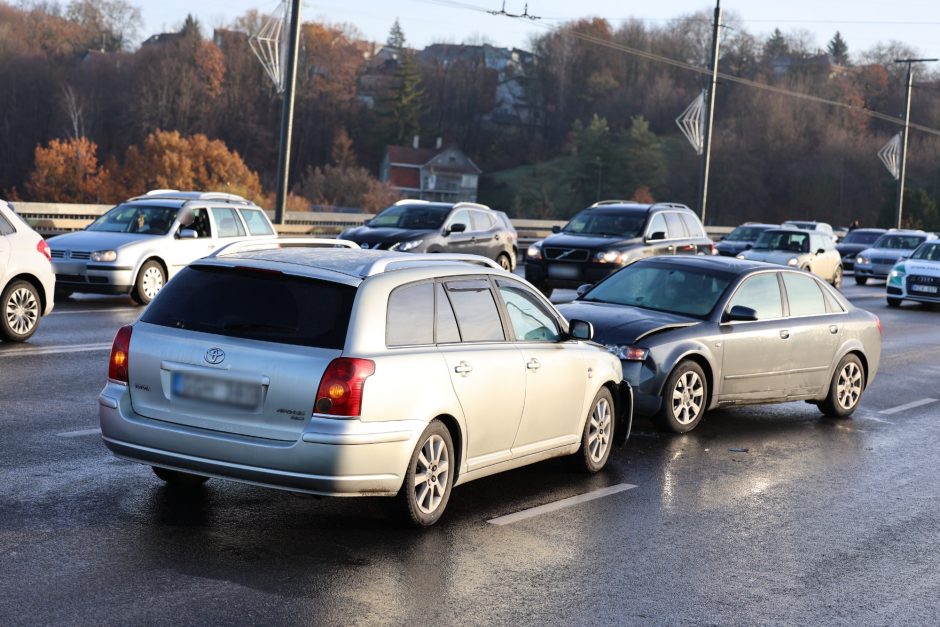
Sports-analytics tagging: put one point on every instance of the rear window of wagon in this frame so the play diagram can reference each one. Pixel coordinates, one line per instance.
(255, 304)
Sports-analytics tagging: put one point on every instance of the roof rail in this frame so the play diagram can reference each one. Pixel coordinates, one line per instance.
(601, 203)
(188, 197)
(382, 264)
(411, 201)
(474, 205)
(282, 242)
(157, 192)
(671, 205)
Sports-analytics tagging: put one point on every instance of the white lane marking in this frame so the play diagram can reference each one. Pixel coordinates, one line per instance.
(563, 503)
(870, 417)
(55, 350)
(79, 433)
(906, 406)
(91, 311)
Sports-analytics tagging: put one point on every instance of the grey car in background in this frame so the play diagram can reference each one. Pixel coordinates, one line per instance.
(696, 333)
(876, 262)
(855, 242)
(742, 238)
(806, 250)
(139, 245)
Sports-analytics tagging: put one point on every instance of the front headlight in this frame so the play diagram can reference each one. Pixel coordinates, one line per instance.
(628, 353)
(609, 256)
(861, 260)
(792, 261)
(104, 255)
(534, 252)
(406, 246)
(897, 274)
(741, 256)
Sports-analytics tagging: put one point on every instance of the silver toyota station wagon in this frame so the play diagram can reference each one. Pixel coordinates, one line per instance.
(306, 366)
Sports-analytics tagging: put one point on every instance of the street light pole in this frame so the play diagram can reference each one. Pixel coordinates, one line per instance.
(707, 143)
(287, 115)
(902, 170)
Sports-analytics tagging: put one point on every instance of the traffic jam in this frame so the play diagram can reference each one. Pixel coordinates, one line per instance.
(409, 356)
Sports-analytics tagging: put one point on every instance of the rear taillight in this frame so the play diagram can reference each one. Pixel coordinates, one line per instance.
(42, 247)
(117, 367)
(340, 391)
(714, 250)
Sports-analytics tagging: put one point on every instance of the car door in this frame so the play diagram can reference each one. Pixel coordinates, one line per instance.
(678, 235)
(257, 223)
(486, 239)
(815, 333)
(6, 230)
(187, 250)
(487, 372)
(556, 372)
(658, 245)
(755, 354)
(459, 242)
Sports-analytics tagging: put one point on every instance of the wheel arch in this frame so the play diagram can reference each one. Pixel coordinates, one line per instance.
(456, 435)
(704, 363)
(36, 283)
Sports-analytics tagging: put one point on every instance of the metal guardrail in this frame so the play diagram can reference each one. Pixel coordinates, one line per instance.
(51, 219)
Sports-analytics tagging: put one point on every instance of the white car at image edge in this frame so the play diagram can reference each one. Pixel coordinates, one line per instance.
(27, 283)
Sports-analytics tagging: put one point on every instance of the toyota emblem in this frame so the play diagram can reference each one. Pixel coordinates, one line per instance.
(215, 356)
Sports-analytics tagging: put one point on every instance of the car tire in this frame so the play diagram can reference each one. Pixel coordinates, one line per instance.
(845, 389)
(686, 389)
(179, 479)
(426, 489)
(837, 278)
(150, 280)
(598, 435)
(20, 311)
(504, 262)
(894, 302)
(861, 280)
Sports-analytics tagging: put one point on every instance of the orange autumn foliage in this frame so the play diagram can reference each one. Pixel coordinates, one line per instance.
(67, 171)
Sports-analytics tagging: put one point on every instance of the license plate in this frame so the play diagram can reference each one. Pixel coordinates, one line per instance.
(563, 272)
(212, 390)
(928, 289)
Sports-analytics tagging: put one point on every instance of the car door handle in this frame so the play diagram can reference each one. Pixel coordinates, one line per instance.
(784, 334)
(533, 364)
(833, 328)
(463, 368)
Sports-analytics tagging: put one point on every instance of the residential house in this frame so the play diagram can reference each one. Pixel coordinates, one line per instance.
(443, 173)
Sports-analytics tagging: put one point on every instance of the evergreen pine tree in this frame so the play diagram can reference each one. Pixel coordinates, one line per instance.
(396, 37)
(402, 110)
(776, 46)
(838, 49)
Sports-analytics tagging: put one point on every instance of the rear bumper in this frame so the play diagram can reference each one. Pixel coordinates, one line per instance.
(330, 457)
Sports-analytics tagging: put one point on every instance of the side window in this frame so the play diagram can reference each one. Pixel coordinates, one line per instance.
(675, 227)
(461, 217)
(530, 321)
(804, 295)
(257, 224)
(410, 318)
(477, 316)
(762, 294)
(692, 225)
(5, 227)
(657, 225)
(227, 222)
(481, 221)
(447, 331)
(201, 223)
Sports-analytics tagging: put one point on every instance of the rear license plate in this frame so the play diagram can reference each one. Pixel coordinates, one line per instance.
(563, 272)
(927, 289)
(212, 390)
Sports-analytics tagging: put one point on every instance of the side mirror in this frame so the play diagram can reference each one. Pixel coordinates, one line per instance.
(821, 251)
(556, 229)
(459, 227)
(188, 234)
(584, 289)
(740, 313)
(748, 246)
(581, 330)
(658, 235)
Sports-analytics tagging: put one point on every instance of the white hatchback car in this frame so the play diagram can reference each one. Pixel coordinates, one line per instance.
(27, 282)
(357, 373)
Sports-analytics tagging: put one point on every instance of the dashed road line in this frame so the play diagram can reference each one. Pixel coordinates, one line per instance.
(906, 406)
(79, 433)
(562, 504)
(91, 311)
(56, 350)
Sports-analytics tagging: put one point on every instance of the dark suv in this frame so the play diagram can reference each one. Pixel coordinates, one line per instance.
(609, 235)
(419, 226)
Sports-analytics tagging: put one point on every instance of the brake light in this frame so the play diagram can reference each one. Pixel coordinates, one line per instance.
(117, 368)
(340, 391)
(714, 250)
(42, 247)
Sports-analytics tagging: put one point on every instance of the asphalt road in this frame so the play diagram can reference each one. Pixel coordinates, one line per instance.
(766, 515)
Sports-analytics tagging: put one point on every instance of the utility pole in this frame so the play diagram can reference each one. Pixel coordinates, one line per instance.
(287, 115)
(710, 116)
(902, 170)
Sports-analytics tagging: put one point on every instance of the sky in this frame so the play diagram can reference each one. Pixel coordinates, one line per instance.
(862, 23)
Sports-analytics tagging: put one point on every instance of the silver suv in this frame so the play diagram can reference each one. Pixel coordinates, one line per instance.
(136, 247)
(357, 373)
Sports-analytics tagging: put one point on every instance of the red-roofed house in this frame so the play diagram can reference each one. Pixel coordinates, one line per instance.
(441, 174)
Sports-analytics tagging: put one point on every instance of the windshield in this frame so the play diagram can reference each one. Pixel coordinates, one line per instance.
(662, 288)
(745, 234)
(783, 240)
(411, 217)
(136, 219)
(854, 237)
(626, 224)
(898, 242)
(927, 252)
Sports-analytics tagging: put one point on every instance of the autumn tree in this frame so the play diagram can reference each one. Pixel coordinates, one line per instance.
(344, 184)
(66, 171)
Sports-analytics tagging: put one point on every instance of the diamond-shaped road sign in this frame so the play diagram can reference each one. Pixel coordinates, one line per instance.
(890, 155)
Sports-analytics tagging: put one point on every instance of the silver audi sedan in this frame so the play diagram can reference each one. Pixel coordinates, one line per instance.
(357, 373)
(696, 333)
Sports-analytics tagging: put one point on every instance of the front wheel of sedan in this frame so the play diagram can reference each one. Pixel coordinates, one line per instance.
(179, 479)
(430, 477)
(845, 389)
(894, 302)
(684, 399)
(598, 433)
(861, 280)
(837, 278)
(20, 310)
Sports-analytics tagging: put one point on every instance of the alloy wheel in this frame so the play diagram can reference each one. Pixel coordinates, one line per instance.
(688, 398)
(849, 387)
(599, 432)
(22, 311)
(432, 468)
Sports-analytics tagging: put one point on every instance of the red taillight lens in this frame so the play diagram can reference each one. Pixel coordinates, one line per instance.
(714, 250)
(42, 247)
(117, 368)
(340, 391)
